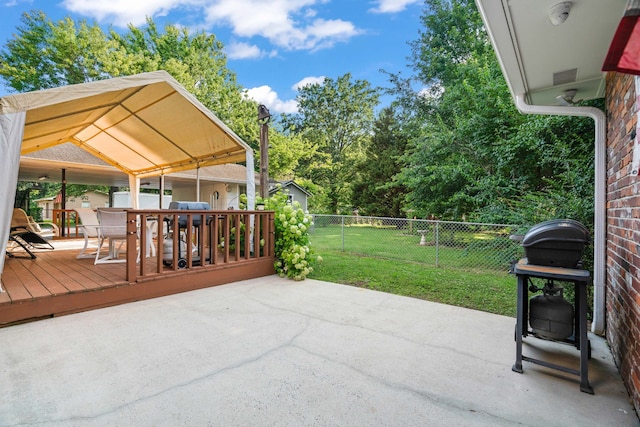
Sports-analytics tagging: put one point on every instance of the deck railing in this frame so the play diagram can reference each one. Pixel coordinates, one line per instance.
(67, 221)
(194, 239)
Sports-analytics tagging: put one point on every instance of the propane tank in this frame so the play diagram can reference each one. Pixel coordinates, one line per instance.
(167, 250)
(550, 315)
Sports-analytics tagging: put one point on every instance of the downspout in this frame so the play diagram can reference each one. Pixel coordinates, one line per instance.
(599, 245)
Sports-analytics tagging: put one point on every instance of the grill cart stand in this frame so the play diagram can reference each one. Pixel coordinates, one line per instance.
(581, 279)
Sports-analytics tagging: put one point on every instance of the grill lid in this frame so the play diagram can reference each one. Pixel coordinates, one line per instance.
(189, 206)
(557, 243)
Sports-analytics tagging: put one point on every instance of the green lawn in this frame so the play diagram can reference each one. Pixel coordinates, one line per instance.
(394, 262)
(487, 249)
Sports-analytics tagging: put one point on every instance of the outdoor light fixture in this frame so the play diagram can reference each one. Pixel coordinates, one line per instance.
(43, 177)
(624, 51)
(566, 99)
(560, 12)
(263, 113)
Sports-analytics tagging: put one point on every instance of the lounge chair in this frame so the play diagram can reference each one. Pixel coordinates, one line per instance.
(24, 239)
(46, 230)
(22, 234)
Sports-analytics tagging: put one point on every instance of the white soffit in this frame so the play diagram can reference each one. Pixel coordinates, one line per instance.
(543, 60)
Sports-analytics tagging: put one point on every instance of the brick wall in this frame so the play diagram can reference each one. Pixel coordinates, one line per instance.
(623, 233)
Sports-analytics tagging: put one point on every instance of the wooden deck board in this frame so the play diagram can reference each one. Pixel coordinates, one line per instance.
(52, 285)
(88, 275)
(13, 286)
(56, 283)
(69, 278)
(27, 286)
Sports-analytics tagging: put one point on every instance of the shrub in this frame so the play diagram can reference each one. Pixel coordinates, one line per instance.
(294, 257)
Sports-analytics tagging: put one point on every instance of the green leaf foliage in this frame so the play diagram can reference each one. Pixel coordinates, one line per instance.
(471, 153)
(336, 117)
(375, 193)
(294, 257)
(45, 54)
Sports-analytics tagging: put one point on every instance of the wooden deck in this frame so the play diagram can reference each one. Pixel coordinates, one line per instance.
(56, 283)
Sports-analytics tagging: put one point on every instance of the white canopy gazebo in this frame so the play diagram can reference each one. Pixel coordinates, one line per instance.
(145, 125)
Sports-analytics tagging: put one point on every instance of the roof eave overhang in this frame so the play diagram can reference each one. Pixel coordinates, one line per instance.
(542, 61)
(497, 24)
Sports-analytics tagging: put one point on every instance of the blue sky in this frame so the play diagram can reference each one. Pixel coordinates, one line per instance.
(272, 45)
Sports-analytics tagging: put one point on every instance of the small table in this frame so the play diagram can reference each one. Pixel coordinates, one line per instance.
(581, 279)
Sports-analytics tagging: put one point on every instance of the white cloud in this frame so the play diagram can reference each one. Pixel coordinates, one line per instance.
(242, 51)
(392, 6)
(311, 80)
(124, 12)
(267, 96)
(290, 24)
(11, 3)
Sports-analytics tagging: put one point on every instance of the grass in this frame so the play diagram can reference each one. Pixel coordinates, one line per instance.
(486, 291)
(389, 261)
(483, 249)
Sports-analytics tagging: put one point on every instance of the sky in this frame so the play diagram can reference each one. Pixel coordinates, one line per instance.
(273, 46)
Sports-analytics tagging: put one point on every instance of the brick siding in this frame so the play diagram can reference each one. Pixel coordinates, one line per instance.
(623, 233)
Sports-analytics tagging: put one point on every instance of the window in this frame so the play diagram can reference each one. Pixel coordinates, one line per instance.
(86, 204)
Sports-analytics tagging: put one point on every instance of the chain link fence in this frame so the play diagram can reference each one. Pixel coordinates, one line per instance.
(462, 245)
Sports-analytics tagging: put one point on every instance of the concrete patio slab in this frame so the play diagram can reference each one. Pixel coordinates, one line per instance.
(272, 351)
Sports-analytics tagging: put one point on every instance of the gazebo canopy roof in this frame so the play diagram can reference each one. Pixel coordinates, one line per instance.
(145, 125)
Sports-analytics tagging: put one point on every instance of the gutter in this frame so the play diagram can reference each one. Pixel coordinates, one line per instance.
(599, 246)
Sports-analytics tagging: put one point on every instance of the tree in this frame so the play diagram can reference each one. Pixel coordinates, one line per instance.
(471, 153)
(45, 54)
(374, 191)
(286, 151)
(336, 117)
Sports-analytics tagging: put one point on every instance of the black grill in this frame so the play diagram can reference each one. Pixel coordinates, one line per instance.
(184, 246)
(556, 243)
(189, 206)
(553, 251)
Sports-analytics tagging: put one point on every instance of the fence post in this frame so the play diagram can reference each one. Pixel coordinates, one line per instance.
(342, 218)
(437, 244)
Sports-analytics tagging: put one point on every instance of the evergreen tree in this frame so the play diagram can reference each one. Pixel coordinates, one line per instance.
(375, 192)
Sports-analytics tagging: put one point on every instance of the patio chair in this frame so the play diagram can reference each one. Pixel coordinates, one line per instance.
(21, 234)
(112, 227)
(89, 228)
(17, 238)
(46, 230)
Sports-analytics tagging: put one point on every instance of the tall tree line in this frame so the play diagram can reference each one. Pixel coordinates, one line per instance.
(451, 145)
(471, 154)
(45, 54)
